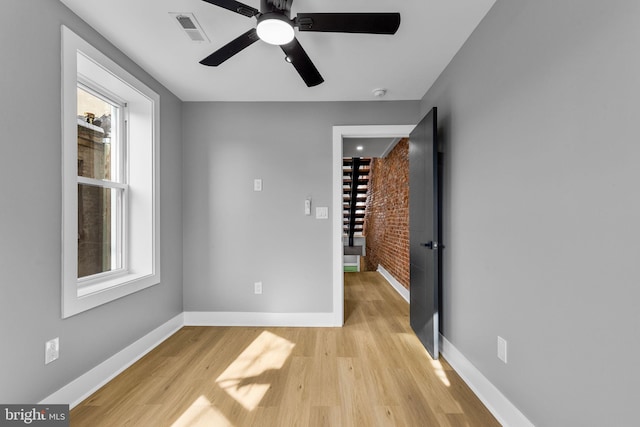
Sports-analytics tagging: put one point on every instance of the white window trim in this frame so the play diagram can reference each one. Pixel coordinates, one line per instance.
(144, 246)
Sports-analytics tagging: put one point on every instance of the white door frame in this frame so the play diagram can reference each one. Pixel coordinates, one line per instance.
(340, 132)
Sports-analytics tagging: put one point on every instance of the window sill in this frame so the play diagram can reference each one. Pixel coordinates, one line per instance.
(115, 281)
(82, 299)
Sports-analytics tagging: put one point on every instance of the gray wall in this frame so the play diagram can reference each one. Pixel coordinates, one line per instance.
(537, 113)
(539, 116)
(30, 214)
(234, 236)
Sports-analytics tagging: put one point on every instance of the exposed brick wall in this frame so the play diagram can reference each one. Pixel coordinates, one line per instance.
(387, 214)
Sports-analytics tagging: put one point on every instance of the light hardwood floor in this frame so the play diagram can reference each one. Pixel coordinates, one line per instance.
(371, 372)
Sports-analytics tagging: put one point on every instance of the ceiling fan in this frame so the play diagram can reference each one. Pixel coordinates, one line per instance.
(275, 26)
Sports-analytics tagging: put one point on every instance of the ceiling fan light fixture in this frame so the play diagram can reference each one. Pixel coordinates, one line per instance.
(274, 28)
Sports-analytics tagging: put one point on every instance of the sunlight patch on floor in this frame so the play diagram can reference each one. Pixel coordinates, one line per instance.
(439, 370)
(201, 413)
(245, 379)
(412, 341)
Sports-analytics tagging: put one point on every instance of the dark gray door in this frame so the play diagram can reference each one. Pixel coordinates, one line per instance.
(424, 235)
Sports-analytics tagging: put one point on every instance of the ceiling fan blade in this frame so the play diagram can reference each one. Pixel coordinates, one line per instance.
(370, 23)
(235, 6)
(302, 63)
(231, 48)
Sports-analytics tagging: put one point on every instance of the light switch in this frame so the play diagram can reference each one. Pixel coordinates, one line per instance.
(307, 206)
(322, 212)
(257, 185)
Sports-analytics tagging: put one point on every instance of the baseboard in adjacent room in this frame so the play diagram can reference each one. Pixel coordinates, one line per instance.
(87, 384)
(404, 292)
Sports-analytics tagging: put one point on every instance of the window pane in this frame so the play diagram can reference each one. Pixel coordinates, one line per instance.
(98, 224)
(95, 136)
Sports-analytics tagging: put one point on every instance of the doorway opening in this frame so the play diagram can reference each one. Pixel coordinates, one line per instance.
(340, 134)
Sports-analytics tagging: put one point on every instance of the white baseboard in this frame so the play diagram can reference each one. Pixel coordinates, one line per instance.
(404, 292)
(501, 408)
(212, 318)
(85, 385)
(88, 383)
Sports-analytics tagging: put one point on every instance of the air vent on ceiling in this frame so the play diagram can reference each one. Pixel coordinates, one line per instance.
(189, 24)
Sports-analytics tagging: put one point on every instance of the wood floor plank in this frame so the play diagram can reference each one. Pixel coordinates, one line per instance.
(324, 370)
(372, 372)
(354, 395)
(295, 408)
(325, 416)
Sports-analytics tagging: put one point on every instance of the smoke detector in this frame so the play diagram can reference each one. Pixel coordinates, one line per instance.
(189, 24)
(379, 93)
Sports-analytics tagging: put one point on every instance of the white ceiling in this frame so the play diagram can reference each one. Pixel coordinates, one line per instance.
(371, 147)
(406, 64)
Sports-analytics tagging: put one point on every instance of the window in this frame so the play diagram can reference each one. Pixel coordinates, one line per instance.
(110, 224)
(102, 186)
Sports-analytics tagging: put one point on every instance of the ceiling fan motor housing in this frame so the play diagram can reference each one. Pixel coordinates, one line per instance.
(281, 6)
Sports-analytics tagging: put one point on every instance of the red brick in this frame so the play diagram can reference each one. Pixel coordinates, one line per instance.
(387, 214)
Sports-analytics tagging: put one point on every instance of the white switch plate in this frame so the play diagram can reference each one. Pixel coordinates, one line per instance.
(51, 350)
(307, 206)
(322, 212)
(257, 185)
(257, 288)
(502, 349)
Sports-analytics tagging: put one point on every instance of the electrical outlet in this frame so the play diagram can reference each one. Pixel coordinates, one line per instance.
(502, 349)
(51, 350)
(257, 288)
(257, 184)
